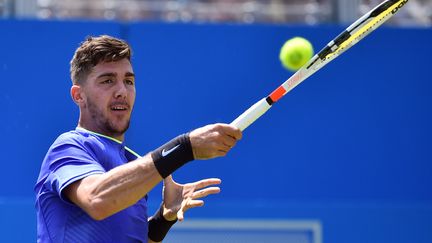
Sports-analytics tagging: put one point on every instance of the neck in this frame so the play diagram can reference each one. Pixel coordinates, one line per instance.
(94, 128)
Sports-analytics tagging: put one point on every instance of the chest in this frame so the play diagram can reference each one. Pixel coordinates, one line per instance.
(112, 155)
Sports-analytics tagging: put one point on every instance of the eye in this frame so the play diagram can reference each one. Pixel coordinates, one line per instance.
(129, 82)
(107, 81)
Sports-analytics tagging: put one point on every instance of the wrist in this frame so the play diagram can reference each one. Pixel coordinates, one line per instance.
(172, 155)
(159, 226)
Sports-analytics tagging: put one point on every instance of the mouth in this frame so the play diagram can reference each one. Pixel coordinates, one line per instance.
(119, 107)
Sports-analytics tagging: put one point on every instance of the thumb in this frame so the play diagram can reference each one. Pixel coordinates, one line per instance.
(180, 215)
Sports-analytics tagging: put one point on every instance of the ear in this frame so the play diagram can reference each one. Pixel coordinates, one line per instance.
(77, 95)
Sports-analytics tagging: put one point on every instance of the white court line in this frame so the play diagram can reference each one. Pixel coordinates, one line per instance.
(313, 226)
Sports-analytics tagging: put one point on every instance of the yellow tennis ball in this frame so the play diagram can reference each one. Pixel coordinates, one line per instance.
(295, 53)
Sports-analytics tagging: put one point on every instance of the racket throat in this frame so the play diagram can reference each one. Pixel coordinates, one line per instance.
(276, 95)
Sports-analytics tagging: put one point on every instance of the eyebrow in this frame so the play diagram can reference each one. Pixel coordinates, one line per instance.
(112, 74)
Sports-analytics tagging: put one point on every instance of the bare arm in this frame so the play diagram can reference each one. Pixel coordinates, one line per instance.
(106, 194)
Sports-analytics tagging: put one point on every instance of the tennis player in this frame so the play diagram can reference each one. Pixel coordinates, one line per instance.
(91, 187)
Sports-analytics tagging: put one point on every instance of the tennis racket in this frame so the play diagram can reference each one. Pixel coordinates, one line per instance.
(353, 34)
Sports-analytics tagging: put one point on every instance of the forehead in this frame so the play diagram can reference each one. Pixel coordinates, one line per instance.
(120, 68)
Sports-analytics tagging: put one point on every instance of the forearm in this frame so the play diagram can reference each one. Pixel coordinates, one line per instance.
(129, 182)
(117, 189)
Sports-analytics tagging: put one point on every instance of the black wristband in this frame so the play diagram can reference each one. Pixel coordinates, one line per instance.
(172, 155)
(158, 226)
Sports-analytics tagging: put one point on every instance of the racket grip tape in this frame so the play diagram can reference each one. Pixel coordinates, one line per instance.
(251, 114)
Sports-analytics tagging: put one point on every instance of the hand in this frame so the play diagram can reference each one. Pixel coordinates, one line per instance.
(213, 140)
(178, 198)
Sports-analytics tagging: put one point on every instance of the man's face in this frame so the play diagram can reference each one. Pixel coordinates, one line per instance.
(109, 96)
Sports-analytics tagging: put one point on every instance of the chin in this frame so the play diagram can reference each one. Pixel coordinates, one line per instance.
(117, 129)
(122, 129)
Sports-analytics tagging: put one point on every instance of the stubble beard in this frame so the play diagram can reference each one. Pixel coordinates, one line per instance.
(105, 125)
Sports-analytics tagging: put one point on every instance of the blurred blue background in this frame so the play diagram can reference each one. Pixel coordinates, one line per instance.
(350, 147)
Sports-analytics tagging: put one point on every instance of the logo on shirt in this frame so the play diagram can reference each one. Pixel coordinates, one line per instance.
(166, 152)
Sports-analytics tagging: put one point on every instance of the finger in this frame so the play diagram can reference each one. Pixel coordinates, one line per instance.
(207, 182)
(228, 140)
(221, 153)
(224, 148)
(221, 148)
(190, 204)
(214, 152)
(183, 208)
(227, 146)
(195, 203)
(232, 131)
(180, 215)
(205, 192)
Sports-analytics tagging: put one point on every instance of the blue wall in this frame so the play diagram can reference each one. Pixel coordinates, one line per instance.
(349, 147)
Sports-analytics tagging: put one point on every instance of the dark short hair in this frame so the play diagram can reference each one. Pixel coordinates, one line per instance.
(95, 50)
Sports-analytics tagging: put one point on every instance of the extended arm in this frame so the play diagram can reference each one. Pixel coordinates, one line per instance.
(105, 194)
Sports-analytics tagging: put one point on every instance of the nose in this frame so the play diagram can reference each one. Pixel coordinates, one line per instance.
(121, 90)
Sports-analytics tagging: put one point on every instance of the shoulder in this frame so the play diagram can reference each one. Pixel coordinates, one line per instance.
(77, 139)
(72, 149)
(75, 146)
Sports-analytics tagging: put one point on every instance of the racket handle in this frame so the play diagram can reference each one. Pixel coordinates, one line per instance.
(251, 114)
